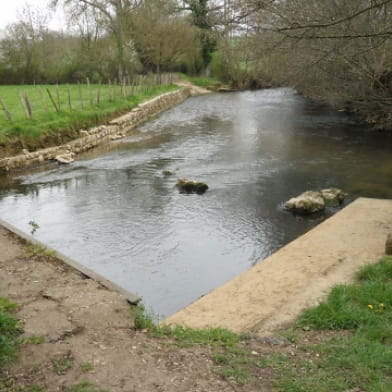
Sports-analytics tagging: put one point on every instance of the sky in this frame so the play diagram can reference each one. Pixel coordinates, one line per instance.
(9, 10)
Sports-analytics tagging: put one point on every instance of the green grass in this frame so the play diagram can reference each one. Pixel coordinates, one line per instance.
(361, 357)
(227, 354)
(237, 373)
(35, 250)
(61, 364)
(34, 388)
(203, 81)
(84, 111)
(10, 330)
(7, 306)
(34, 340)
(183, 335)
(86, 367)
(85, 387)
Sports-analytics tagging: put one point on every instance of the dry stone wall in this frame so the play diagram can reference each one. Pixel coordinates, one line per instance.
(97, 135)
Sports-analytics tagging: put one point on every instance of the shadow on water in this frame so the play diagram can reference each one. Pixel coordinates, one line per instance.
(116, 212)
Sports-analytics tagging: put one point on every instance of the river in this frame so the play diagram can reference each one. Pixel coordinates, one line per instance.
(115, 211)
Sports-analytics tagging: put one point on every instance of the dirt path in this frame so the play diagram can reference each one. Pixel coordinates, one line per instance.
(195, 90)
(274, 292)
(78, 331)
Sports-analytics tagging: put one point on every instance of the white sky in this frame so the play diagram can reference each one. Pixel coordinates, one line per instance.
(9, 10)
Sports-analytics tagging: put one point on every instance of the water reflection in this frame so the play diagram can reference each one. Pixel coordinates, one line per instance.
(114, 210)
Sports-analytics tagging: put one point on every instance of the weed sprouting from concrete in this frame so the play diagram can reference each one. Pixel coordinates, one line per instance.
(35, 250)
(34, 227)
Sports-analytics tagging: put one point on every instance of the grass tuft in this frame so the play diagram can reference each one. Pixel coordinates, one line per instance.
(85, 387)
(86, 367)
(7, 306)
(10, 330)
(186, 336)
(35, 250)
(61, 364)
(236, 373)
(380, 272)
(34, 340)
(34, 388)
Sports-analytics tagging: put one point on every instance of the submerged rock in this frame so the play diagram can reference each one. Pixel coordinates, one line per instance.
(333, 197)
(306, 203)
(117, 136)
(310, 202)
(190, 186)
(167, 173)
(65, 158)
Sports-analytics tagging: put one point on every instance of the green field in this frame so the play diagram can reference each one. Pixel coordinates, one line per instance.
(64, 108)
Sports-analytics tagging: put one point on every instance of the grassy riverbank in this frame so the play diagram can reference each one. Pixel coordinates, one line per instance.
(38, 116)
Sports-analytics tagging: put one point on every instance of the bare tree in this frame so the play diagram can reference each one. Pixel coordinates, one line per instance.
(164, 38)
(114, 15)
(22, 44)
(338, 51)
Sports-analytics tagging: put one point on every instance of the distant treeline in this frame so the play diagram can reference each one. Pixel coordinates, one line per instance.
(105, 40)
(338, 52)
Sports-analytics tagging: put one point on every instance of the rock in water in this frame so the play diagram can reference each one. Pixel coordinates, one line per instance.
(388, 245)
(65, 158)
(333, 197)
(314, 201)
(190, 186)
(117, 136)
(306, 203)
(167, 173)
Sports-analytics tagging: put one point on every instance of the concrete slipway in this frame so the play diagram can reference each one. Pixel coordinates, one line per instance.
(275, 291)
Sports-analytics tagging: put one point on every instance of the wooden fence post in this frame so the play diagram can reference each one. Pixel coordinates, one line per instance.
(69, 99)
(58, 97)
(89, 91)
(110, 90)
(28, 106)
(80, 96)
(6, 111)
(52, 100)
(99, 92)
(24, 105)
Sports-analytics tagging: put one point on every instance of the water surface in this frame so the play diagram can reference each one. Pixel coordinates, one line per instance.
(114, 211)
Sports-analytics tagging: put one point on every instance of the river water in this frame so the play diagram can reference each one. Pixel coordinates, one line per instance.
(115, 211)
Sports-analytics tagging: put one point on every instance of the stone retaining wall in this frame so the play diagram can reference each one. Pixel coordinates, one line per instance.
(97, 135)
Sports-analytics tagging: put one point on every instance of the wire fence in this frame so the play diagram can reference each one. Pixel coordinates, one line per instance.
(77, 97)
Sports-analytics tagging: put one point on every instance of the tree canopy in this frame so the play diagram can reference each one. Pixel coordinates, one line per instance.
(338, 51)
